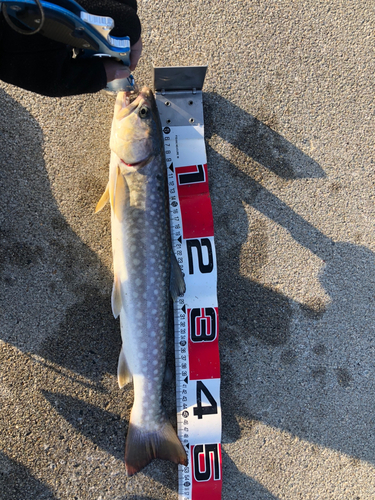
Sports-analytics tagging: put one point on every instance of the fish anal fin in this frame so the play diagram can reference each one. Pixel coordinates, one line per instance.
(177, 284)
(142, 447)
(124, 375)
(116, 301)
(103, 200)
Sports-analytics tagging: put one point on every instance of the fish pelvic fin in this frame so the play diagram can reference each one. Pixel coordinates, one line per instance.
(142, 447)
(177, 282)
(103, 200)
(116, 301)
(124, 375)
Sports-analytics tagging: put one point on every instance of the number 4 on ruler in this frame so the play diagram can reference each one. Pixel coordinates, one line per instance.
(200, 410)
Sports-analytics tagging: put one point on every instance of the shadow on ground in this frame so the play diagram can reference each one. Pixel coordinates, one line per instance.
(17, 483)
(55, 292)
(340, 336)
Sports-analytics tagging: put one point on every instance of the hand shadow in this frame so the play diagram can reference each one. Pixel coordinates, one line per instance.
(248, 307)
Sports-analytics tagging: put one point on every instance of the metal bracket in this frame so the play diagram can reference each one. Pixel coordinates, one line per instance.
(179, 78)
(178, 93)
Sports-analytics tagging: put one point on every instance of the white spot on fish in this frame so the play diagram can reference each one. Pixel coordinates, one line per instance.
(155, 362)
(153, 334)
(138, 281)
(155, 351)
(154, 311)
(144, 345)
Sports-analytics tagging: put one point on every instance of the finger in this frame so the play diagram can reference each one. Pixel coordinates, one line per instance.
(115, 70)
(135, 54)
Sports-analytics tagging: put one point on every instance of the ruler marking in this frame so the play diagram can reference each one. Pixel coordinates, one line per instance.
(195, 314)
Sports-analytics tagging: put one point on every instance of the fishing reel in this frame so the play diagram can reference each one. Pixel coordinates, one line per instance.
(67, 22)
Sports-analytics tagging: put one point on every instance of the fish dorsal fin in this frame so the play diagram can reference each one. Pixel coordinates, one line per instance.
(103, 200)
(177, 283)
(124, 375)
(143, 446)
(116, 301)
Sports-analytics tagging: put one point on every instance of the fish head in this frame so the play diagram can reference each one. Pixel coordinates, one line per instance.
(135, 133)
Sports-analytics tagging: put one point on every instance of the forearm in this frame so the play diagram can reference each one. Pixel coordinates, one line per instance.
(124, 13)
(46, 67)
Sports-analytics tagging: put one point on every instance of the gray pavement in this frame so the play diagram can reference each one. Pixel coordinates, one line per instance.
(289, 114)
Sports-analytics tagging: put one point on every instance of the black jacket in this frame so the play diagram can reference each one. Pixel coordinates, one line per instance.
(36, 63)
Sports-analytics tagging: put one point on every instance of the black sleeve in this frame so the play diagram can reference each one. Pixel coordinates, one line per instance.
(123, 12)
(46, 67)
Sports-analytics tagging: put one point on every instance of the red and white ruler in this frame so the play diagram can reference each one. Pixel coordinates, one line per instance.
(179, 100)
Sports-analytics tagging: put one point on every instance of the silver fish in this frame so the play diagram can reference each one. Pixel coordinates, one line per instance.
(145, 270)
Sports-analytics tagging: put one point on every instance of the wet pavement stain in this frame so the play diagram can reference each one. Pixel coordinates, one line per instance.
(343, 377)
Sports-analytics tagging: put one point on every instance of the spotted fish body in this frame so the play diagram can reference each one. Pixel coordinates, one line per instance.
(143, 262)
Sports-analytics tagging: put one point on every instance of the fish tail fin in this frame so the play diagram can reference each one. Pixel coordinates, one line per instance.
(142, 447)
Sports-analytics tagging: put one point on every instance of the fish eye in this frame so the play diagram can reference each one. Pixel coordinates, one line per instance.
(143, 112)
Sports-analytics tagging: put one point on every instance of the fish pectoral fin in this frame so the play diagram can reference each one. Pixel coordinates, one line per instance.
(103, 200)
(113, 174)
(177, 284)
(116, 301)
(142, 447)
(124, 375)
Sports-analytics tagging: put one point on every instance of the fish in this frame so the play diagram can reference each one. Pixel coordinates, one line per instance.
(145, 271)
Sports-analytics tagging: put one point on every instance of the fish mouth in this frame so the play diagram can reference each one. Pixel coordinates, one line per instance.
(128, 102)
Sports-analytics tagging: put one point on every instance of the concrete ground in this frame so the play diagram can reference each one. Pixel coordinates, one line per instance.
(289, 115)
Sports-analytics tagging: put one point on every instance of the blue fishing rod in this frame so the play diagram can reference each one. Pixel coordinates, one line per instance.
(67, 22)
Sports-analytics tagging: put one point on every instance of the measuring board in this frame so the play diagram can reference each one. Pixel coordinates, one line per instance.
(178, 94)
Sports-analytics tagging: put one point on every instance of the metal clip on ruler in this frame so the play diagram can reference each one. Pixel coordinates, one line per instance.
(178, 92)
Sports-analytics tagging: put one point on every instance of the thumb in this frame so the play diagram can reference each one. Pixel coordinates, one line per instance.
(115, 70)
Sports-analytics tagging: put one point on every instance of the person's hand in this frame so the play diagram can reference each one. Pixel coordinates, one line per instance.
(135, 54)
(116, 70)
